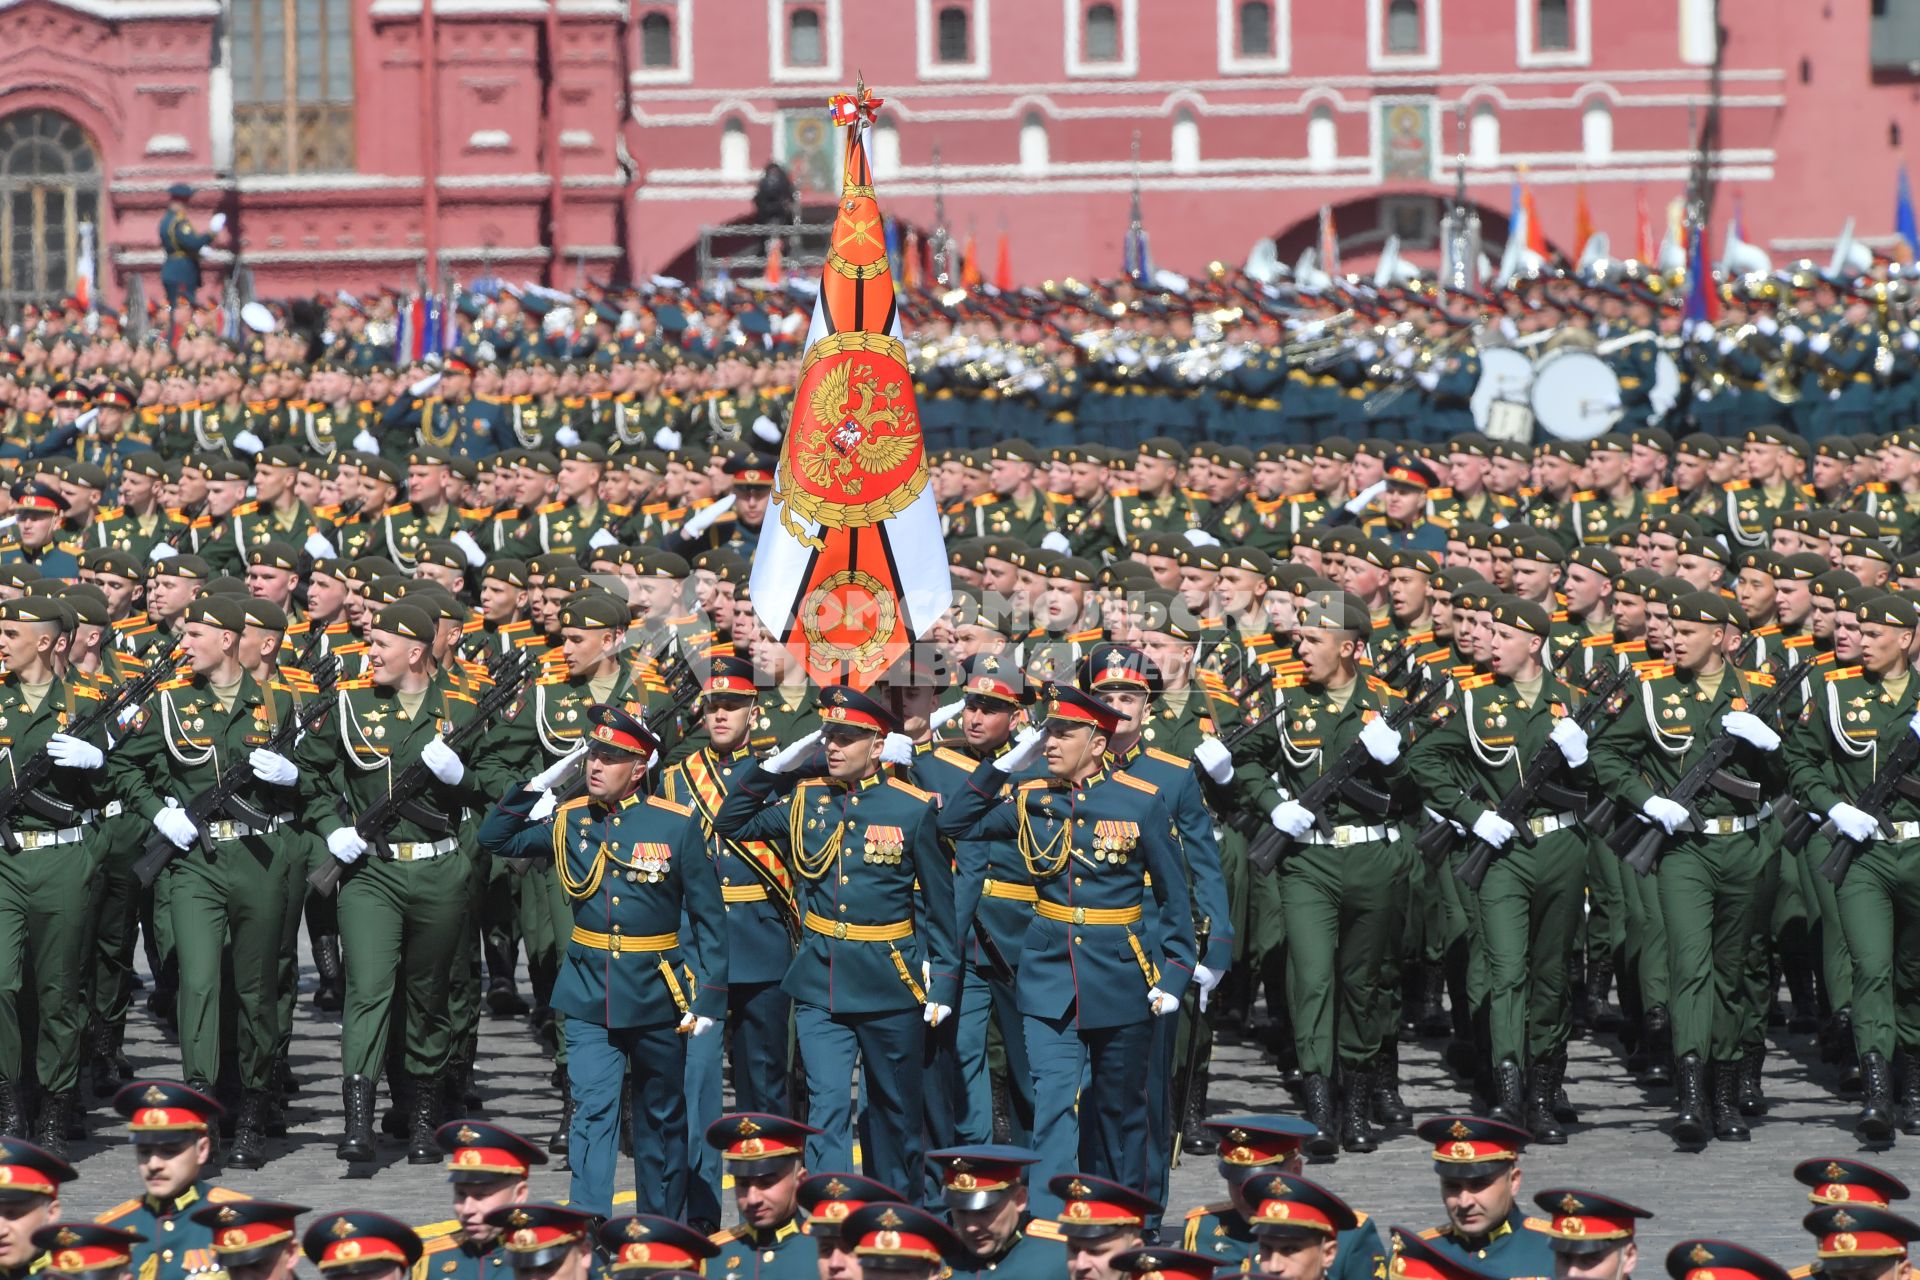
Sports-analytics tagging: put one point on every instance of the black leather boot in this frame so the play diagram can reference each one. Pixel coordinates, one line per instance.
(1509, 1094)
(1728, 1125)
(1356, 1131)
(1659, 1038)
(1805, 1015)
(1874, 1124)
(423, 1118)
(249, 1150)
(1542, 1084)
(103, 1073)
(1690, 1101)
(330, 993)
(1907, 1087)
(1753, 1101)
(1388, 1107)
(1317, 1103)
(1434, 1019)
(50, 1126)
(503, 994)
(1601, 1016)
(1196, 1141)
(216, 1133)
(13, 1115)
(356, 1093)
(557, 1141)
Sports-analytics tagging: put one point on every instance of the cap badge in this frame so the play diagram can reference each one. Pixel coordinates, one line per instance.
(1459, 1130)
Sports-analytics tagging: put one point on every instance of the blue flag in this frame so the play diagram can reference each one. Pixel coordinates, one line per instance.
(1903, 220)
(1703, 299)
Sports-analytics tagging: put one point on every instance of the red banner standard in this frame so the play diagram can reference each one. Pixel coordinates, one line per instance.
(851, 569)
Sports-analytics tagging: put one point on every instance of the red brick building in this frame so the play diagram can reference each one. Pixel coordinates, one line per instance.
(359, 141)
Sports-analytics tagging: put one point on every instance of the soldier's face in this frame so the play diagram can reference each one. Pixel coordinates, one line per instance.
(168, 1166)
(852, 754)
(1513, 650)
(1533, 580)
(613, 775)
(987, 1230)
(1829, 473)
(1240, 590)
(1073, 750)
(1792, 601)
(265, 582)
(1755, 592)
(1091, 1257)
(37, 526)
(473, 1201)
(1407, 591)
(20, 1217)
(1695, 643)
(768, 1199)
(1297, 1255)
(1629, 616)
(1604, 1264)
(1476, 1205)
(750, 504)
(586, 649)
(1884, 648)
(728, 718)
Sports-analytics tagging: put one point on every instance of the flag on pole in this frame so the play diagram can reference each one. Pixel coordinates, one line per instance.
(1582, 219)
(1703, 300)
(1536, 241)
(969, 265)
(1642, 227)
(1003, 265)
(851, 568)
(1329, 243)
(1903, 220)
(776, 264)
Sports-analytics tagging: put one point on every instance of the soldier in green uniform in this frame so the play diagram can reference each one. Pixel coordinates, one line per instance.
(173, 1129)
(489, 1167)
(1479, 1166)
(765, 1154)
(1017, 509)
(1155, 503)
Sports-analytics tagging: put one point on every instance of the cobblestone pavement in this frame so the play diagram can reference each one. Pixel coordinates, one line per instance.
(1741, 1192)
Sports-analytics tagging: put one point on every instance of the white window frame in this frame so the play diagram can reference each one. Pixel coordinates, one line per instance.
(682, 70)
(1232, 63)
(830, 30)
(1579, 26)
(1380, 59)
(927, 43)
(1073, 12)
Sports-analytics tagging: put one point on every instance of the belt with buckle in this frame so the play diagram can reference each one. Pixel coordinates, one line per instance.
(227, 829)
(1727, 826)
(1902, 830)
(1086, 915)
(1343, 836)
(743, 893)
(1010, 892)
(1546, 826)
(421, 850)
(859, 932)
(617, 943)
(48, 839)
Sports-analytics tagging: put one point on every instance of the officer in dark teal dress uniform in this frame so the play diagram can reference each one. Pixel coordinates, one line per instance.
(554, 1241)
(1294, 1220)
(985, 1189)
(465, 426)
(171, 1127)
(1415, 1258)
(1487, 1232)
(829, 1198)
(361, 1243)
(878, 962)
(181, 245)
(764, 1155)
(642, 1244)
(902, 1242)
(1250, 1148)
(72, 1250)
(632, 987)
(1088, 989)
(258, 1236)
(41, 503)
(489, 1167)
(1587, 1229)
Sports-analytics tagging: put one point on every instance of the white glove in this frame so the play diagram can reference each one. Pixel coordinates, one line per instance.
(1362, 500)
(1910, 340)
(666, 438)
(1493, 828)
(1572, 741)
(896, 748)
(442, 762)
(216, 224)
(176, 826)
(363, 442)
(1854, 824)
(1026, 749)
(694, 1025)
(1291, 818)
(74, 753)
(1702, 330)
(272, 767)
(789, 756)
(1726, 344)
(420, 386)
(247, 442)
(935, 1014)
(566, 435)
(1056, 541)
(1913, 725)
(705, 517)
(1204, 981)
(1792, 333)
(553, 773)
(161, 551)
(1199, 538)
(1381, 740)
(319, 548)
(346, 845)
(943, 715)
(1750, 728)
(469, 548)
(1160, 1002)
(1669, 815)
(1767, 325)
(1365, 351)
(1428, 378)
(1819, 343)
(602, 538)
(1404, 357)
(1213, 757)
(767, 429)
(543, 807)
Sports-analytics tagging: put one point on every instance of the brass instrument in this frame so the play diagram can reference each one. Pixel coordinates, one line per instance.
(1403, 378)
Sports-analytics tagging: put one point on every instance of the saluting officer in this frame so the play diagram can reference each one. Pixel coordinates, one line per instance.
(489, 1167)
(173, 1130)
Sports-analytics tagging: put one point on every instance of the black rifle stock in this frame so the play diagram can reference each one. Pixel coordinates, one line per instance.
(1874, 801)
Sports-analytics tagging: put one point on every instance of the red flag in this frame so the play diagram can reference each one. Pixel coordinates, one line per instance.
(1642, 227)
(1536, 234)
(776, 257)
(1003, 268)
(910, 261)
(1582, 221)
(850, 567)
(969, 265)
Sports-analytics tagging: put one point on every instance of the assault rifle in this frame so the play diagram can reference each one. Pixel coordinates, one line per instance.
(30, 775)
(224, 795)
(1891, 781)
(405, 799)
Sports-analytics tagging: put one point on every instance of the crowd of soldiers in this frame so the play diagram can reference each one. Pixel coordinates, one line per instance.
(1235, 722)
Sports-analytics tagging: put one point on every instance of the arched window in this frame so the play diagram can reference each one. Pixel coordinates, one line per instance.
(1483, 135)
(804, 46)
(50, 178)
(1551, 30)
(656, 41)
(1596, 131)
(1323, 139)
(954, 42)
(734, 163)
(301, 123)
(886, 150)
(1403, 26)
(1034, 150)
(1103, 34)
(1256, 29)
(1186, 142)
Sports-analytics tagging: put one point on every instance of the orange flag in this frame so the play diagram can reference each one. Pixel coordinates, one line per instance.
(776, 272)
(910, 260)
(851, 569)
(1003, 269)
(1536, 234)
(1582, 221)
(1642, 227)
(969, 265)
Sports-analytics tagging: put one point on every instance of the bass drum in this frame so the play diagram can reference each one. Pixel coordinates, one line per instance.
(1576, 396)
(1505, 375)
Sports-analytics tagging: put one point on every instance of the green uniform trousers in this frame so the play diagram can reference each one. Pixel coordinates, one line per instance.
(401, 928)
(1757, 976)
(1880, 908)
(43, 908)
(1836, 959)
(1529, 909)
(295, 853)
(1339, 910)
(1709, 886)
(114, 898)
(1646, 942)
(227, 910)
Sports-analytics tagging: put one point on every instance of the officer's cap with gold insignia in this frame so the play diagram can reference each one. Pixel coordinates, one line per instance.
(642, 1242)
(1581, 1222)
(481, 1152)
(730, 676)
(995, 678)
(1406, 471)
(1156, 1263)
(752, 470)
(27, 1171)
(843, 706)
(1720, 1260)
(755, 1143)
(1468, 1147)
(900, 1237)
(619, 731)
(1859, 1237)
(248, 1231)
(1285, 1204)
(1841, 1180)
(1414, 1259)
(537, 1235)
(1248, 1143)
(830, 1198)
(34, 497)
(1110, 666)
(979, 1176)
(1093, 1206)
(359, 1241)
(85, 1248)
(161, 1107)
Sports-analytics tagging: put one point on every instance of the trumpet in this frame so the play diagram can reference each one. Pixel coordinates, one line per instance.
(1403, 378)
